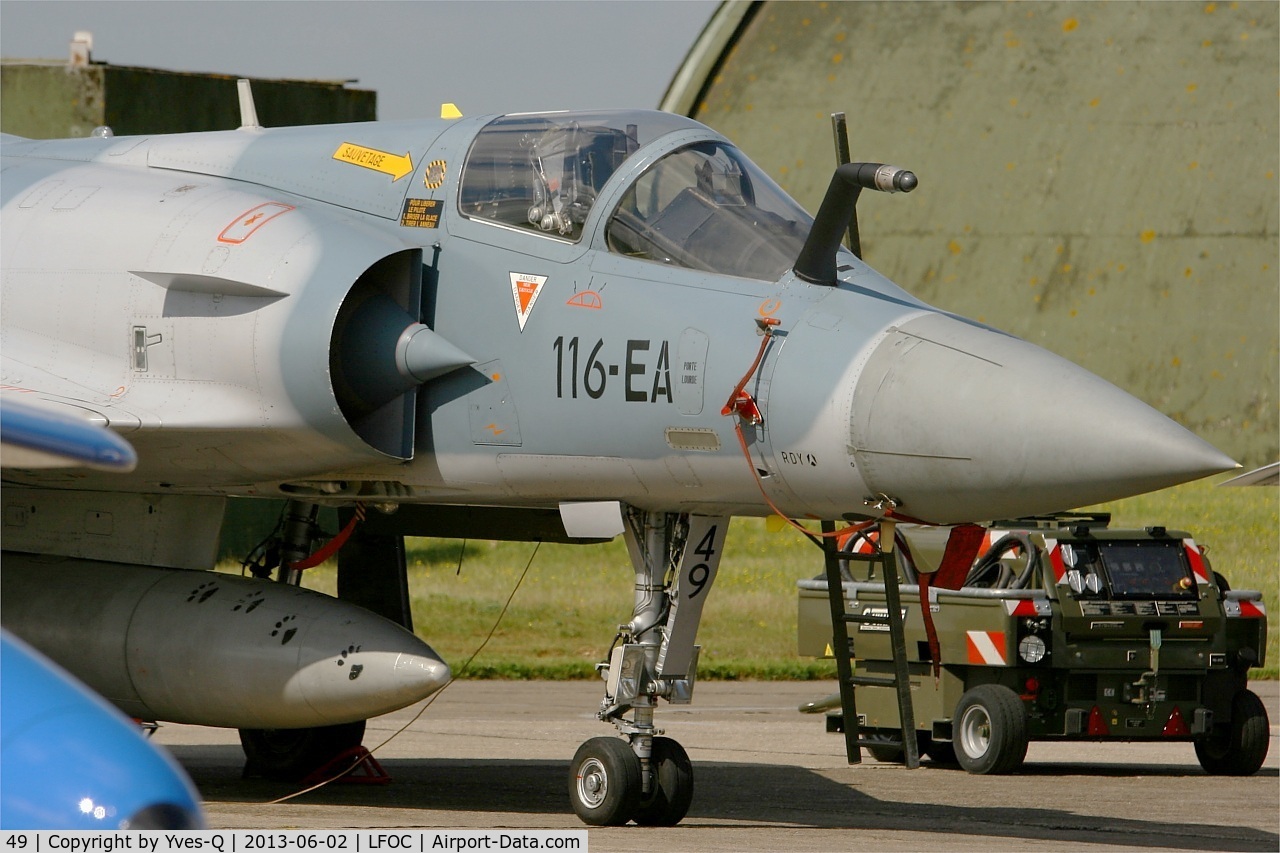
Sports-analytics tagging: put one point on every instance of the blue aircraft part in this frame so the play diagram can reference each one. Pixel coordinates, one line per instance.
(66, 437)
(68, 760)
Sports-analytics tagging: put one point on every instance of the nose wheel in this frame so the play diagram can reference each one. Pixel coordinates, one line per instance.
(606, 783)
(671, 792)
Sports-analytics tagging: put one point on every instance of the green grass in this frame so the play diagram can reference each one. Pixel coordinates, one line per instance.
(565, 613)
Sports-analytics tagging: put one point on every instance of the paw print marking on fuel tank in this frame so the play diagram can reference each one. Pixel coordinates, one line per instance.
(250, 602)
(356, 668)
(203, 592)
(285, 630)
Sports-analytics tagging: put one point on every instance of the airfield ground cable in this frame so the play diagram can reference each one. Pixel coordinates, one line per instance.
(358, 760)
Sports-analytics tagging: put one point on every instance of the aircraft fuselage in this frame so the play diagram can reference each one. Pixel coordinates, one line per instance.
(197, 292)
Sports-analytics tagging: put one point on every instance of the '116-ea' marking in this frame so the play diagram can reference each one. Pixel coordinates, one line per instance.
(642, 381)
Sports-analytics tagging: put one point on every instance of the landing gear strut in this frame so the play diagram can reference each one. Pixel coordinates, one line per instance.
(289, 755)
(648, 778)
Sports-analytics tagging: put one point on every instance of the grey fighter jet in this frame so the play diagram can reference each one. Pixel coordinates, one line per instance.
(557, 326)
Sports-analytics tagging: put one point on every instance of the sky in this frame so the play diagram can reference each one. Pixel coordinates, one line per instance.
(487, 56)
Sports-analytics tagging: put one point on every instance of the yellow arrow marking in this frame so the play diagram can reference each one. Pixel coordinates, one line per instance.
(371, 158)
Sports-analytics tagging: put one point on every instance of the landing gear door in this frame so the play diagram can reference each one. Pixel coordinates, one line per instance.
(697, 571)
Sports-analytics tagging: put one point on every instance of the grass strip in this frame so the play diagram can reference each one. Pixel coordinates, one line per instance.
(560, 623)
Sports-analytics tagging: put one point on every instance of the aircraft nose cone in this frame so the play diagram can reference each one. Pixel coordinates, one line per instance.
(960, 423)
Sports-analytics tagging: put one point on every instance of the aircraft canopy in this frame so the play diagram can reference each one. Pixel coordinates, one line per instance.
(703, 206)
(707, 207)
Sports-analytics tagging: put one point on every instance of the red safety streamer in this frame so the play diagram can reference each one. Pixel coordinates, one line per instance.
(739, 401)
(331, 547)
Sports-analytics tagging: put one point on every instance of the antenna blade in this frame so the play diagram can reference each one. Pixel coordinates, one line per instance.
(248, 112)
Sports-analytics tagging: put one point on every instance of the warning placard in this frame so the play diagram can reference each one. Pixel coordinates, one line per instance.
(525, 289)
(421, 213)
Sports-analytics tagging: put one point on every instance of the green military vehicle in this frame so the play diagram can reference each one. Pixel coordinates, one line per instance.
(1062, 630)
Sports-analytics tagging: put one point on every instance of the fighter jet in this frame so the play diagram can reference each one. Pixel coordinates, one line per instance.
(552, 326)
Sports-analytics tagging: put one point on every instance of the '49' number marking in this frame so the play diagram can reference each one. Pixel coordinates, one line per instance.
(644, 378)
(700, 573)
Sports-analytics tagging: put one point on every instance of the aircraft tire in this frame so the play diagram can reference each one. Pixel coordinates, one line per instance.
(990, 730)
(604, 782)
(288, 755)
(1240, 747)
(668, 802)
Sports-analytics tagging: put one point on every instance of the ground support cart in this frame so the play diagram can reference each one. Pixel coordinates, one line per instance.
(1063, 633)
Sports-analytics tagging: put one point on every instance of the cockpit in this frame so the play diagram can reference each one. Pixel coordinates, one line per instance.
(702, 206)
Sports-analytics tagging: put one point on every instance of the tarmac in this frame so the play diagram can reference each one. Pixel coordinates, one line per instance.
(495, 755)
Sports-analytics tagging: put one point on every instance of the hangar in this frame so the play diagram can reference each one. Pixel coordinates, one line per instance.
(1097, 178)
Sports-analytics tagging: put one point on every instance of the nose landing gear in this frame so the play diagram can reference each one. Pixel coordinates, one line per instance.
(605, 786)
(647, 778)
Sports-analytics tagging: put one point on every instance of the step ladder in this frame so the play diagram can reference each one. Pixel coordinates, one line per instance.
(842, 644)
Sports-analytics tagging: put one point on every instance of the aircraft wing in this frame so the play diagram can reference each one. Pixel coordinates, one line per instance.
(55, 435)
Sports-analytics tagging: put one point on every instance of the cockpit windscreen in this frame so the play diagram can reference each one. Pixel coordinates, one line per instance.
(707, 207)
